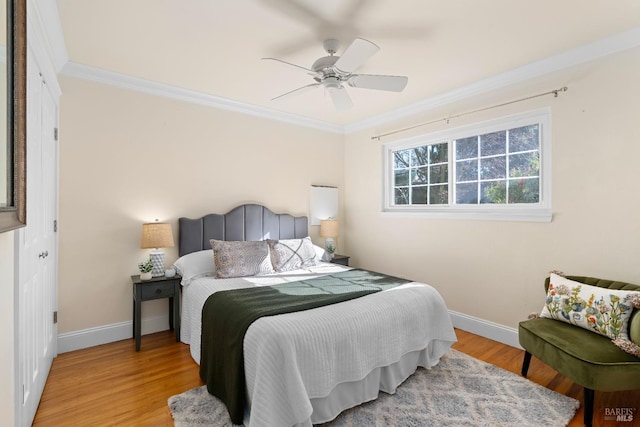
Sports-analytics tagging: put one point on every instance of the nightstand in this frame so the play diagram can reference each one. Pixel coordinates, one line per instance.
(340, 259)
(155, 288)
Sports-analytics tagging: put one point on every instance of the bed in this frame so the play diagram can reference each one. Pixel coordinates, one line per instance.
(306, 367)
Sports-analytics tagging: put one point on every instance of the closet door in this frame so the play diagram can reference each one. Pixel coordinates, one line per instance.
(37, 248)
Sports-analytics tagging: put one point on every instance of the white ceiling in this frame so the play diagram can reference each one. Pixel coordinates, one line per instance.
(214, 46)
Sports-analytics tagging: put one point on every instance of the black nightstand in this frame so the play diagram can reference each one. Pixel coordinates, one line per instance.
(340, 259)
(155, 288)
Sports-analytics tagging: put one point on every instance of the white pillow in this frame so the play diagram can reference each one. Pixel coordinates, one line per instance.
(600, 310)
(292, 254)
(195, 265)
(321, 254)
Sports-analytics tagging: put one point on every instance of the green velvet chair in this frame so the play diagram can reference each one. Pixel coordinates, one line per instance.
(586, 358)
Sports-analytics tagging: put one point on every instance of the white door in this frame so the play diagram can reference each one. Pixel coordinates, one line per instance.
(37, 249)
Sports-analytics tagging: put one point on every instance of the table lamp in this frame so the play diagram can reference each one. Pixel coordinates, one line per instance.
(156, 235)
(329, 230)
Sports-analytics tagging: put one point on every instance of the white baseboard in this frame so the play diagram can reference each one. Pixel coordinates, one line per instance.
(485, 328)
(76, 340)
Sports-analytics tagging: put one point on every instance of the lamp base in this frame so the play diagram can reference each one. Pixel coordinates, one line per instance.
(330, 246)
(157, 258)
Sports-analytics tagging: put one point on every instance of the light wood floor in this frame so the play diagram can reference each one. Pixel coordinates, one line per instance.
(113, 385)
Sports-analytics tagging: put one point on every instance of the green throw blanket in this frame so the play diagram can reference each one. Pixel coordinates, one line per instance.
(227, 315)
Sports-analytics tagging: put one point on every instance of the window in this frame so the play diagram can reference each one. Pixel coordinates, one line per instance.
(491, 170)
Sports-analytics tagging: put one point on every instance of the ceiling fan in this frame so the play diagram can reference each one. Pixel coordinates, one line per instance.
(332, 71)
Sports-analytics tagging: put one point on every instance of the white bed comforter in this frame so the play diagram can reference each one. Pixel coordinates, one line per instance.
(306, 367)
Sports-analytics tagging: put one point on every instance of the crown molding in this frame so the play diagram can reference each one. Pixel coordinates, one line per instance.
(585, 53)
(589, 52)
(86, 72)
(43, 41)
(45, 19)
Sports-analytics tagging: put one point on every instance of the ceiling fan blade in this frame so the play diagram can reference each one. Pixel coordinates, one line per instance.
(308, 70)
(372, 81)
(355, 55)
(355, 10)
(295, 45)
(341, 99)
(298, 12)
(297, 91)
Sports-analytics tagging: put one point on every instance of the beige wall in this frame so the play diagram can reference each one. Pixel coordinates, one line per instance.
(127, 158)
(7, 337)
(495, 270)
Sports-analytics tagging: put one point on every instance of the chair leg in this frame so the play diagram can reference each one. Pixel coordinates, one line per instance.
(588, 407)
(525, 363)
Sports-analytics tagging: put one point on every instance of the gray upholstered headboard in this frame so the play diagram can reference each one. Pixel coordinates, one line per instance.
(245, 223)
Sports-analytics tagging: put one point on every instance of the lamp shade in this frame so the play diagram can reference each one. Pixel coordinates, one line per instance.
(329, 228)
(156, 235)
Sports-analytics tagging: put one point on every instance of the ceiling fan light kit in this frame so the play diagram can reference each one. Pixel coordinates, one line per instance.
(331, 83)
(332, 71)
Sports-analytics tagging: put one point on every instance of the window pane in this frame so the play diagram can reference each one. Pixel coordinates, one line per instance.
(439, 153)
(439, 195)
(494, 192)
(467, 170)
(524, 138)
(401, 196)
(467, 194)
(419, 156)
(493, 167)
(525, 164)
(401, 159)
(401, 177)
(439, 174)
(493, 143)
(419, 195)
(467, 148)
(419, 175)
(526, 190)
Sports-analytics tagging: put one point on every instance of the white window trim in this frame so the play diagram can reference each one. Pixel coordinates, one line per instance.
(539, 212)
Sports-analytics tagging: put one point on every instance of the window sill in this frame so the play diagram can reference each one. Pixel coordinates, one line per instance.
(516, 214)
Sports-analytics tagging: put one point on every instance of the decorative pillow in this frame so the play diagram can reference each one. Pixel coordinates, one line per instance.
(634, 321)
(292, 254)
(601, 310)
(627, 346)
(194, 265)
(322, 254)
(635, 299)
(239, 259)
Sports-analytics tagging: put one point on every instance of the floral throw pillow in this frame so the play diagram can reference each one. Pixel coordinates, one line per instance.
(627, 346)
(600, 310)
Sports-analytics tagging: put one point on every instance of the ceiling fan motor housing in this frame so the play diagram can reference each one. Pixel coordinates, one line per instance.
(328, 75)
(324, 64)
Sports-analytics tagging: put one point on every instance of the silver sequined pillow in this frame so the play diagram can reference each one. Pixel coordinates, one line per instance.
(292, 254)
(240, 259)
